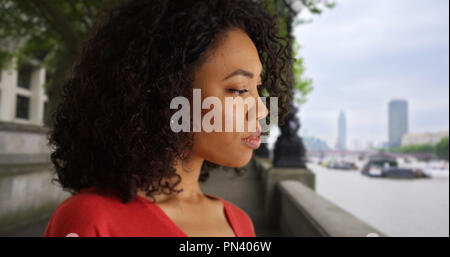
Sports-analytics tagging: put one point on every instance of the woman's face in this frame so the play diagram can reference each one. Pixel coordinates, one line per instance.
(236, 52)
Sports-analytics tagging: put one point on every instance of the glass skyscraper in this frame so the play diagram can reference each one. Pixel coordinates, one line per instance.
(398, 122)
(342, 132)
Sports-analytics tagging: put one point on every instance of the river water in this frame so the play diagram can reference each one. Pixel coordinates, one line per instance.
(418, 207)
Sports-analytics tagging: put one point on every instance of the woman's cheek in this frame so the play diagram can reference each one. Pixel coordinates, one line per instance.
(228, 118)
(234, 118)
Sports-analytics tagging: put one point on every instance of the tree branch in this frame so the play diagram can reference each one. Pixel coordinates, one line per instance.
(78, 14)
(61, 24)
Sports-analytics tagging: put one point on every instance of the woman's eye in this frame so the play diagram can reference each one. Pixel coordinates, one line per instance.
(237, 91)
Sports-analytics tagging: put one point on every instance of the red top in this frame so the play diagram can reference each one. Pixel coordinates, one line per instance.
(89, 214)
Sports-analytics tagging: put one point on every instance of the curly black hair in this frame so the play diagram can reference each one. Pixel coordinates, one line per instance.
(111, 129)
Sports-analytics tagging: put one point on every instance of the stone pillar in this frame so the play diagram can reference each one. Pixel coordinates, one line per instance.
(8, 93)
(270, 176)
(272, 194)
(37, 96)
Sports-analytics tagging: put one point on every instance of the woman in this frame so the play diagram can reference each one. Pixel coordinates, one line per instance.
(129, 173)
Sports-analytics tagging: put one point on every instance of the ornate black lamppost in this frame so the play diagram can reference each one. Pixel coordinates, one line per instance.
(263, 150)
(289, 151)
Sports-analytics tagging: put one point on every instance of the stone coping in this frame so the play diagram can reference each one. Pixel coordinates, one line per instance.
(27, 128)
(327, 218)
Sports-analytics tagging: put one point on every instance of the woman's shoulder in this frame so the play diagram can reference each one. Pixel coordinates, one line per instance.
(87, 202)
(237, 211)
(244, 223)
(83, 214)
(240, 218)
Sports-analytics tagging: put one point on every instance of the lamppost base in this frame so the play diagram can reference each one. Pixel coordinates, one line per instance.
(289, 153)
(262, 151)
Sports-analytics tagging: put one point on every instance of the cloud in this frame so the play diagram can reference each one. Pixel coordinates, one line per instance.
(362, 54)
(359, 30)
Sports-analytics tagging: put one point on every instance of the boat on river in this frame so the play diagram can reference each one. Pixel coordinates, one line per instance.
(387, 166)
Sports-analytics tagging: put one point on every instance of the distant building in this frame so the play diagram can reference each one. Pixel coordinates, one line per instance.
(342, 132)
(369, 145)
(357, 145)
(315, 144)
(382, 145)
(22, 95)
(423, 138)
(398, 122)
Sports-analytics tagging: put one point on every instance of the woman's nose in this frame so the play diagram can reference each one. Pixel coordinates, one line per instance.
(262, 109)
(258, 111)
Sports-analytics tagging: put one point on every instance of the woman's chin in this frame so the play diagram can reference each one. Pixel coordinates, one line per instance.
(232, 159)
(240, 162)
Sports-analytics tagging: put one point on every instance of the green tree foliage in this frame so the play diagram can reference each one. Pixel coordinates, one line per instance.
(425, 148)
(49, 32)
(303, 86)
(441, 149)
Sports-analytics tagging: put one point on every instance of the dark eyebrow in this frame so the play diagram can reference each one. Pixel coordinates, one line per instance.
(240, 72)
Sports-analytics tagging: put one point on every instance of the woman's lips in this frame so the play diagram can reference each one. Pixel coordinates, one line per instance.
(253, 140)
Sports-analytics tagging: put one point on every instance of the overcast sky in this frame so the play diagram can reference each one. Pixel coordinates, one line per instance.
(364, 53)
